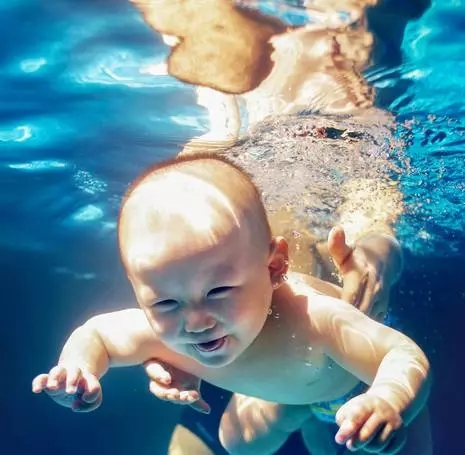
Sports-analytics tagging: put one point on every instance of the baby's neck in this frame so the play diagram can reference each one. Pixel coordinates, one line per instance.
(287, 310)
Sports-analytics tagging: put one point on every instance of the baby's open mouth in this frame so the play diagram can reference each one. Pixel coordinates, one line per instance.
(210, 346)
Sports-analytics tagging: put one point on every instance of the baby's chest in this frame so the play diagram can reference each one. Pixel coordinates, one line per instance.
(287, 379)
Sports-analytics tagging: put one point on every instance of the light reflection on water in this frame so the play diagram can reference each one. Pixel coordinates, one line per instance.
(84, 109)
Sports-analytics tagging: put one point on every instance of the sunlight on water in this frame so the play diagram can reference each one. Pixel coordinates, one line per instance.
(86, 182)
(120, 68)
(32, 65)
(40, 165)
(87, 214)
(96, 105)
(18, 134)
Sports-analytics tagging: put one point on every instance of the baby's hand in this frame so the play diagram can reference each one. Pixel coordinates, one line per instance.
(70, 387)
(370, 423)
(170, 384)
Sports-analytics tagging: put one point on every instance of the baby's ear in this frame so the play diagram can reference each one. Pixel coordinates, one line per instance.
(278, 260)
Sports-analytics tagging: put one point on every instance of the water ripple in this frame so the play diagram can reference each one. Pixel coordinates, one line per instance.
(86, 104)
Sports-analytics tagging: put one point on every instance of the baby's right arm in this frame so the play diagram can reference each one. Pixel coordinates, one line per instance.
(122, 338)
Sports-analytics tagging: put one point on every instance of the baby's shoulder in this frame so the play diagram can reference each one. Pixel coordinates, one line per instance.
(314, 286)
(317, 301)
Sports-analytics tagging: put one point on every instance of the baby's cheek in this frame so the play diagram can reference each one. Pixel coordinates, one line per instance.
(166, 328)
(250, 313)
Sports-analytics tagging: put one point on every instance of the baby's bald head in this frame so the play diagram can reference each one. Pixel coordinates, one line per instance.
(202, 199)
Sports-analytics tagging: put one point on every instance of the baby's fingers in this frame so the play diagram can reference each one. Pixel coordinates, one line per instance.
(92, 389)
(39, 383)
(376, 427)
(375, 435)
(346, 431)
(350, 421)
(168, 393)
(88, 395)
(73, 378)
(157, 372)
(176, 396)
(189, 397)
(56, 379)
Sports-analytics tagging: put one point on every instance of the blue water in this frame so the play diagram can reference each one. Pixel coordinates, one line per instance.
(78, 121)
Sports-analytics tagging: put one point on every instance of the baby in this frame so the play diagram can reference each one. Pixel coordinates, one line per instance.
(216, 301)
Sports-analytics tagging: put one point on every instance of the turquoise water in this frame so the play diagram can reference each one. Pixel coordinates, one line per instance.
(78, 121)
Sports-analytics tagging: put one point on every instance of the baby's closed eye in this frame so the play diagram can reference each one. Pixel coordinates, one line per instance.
(165, 305)
(221, 291)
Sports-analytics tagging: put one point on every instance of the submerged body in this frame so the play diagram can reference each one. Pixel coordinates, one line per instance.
(285, 363)
(216, 301)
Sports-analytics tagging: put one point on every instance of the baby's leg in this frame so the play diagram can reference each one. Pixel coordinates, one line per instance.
(185, 441)
(258, 427)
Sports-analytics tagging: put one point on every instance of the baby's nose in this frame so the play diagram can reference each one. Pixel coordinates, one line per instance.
(199, 321)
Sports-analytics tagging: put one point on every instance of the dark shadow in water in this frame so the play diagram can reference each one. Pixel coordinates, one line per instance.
(432, 313)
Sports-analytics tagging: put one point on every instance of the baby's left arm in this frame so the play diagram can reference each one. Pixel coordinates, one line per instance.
(394, 366)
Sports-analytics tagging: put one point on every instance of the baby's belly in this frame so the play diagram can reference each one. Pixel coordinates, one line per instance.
(295, 386)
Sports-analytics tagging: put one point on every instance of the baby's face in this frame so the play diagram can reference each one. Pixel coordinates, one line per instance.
(205, 297)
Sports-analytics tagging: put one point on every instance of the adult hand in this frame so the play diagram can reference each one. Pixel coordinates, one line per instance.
(368, 269)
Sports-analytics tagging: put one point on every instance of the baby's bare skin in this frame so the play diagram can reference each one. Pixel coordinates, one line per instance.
(287, 364)
(206, 272)
(291, 353)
